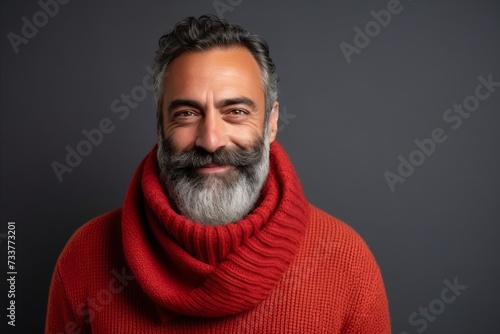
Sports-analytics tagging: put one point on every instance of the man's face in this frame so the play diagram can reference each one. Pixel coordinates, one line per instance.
(214, 99)
(214, 149)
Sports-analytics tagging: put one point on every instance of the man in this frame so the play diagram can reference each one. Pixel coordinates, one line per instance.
(215, 234)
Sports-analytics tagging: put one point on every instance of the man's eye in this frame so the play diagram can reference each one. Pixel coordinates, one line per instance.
(237, 112)
(185, 113)
(185, 116)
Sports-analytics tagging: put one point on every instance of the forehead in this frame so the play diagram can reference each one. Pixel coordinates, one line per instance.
(217, 70)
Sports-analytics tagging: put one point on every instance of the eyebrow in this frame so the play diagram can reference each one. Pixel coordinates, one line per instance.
(237, 100)
(221, 104)
(183, 103)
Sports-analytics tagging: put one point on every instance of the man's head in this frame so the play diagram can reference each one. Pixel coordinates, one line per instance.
(216, 90)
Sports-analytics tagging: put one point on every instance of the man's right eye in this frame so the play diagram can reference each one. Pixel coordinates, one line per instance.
(185, 116)
(184, 113)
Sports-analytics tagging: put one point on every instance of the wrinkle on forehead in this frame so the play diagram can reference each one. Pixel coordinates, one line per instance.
(214, 74)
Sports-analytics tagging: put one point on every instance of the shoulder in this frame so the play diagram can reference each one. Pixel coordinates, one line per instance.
(347, 272)
(339, 248)
(92, 243)
(334, 234)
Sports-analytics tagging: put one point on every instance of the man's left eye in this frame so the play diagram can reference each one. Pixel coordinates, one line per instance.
(237, 112)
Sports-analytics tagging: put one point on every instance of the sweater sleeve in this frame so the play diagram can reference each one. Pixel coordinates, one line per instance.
(61, 317)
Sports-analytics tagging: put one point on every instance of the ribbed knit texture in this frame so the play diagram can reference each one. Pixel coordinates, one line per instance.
(211, 271)
(286, 268)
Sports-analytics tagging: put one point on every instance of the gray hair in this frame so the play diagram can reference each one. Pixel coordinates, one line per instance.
(205, 33)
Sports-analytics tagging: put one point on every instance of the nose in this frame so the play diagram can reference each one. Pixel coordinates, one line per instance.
(211, 132)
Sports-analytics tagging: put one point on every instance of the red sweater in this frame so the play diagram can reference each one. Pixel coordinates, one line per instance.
(287, 267)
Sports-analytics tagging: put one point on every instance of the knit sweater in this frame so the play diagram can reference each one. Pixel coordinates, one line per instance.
(287, 267)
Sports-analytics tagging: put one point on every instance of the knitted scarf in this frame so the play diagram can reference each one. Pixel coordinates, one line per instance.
(190, 269)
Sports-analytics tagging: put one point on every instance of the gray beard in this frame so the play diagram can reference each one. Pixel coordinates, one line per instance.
(220, 198)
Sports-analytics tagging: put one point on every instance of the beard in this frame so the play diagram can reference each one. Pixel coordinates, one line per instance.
(217, 198)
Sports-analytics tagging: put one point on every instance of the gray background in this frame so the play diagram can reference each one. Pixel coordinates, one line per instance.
(351, 122)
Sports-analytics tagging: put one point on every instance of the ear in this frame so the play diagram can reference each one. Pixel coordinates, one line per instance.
(273, 121)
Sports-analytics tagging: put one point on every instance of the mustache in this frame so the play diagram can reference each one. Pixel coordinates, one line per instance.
(199, 157)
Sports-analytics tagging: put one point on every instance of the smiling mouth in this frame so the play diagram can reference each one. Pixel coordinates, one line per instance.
(213, 168)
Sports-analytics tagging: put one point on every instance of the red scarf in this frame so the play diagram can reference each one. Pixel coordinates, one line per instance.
(190, 269)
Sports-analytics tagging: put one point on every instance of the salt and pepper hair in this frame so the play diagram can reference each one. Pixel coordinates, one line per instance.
(205, 33)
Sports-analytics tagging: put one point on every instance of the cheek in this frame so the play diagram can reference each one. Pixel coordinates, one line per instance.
(182, 138)
(246, 136)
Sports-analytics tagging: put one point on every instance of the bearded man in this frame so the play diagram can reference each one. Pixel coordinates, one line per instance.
(215, 234)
